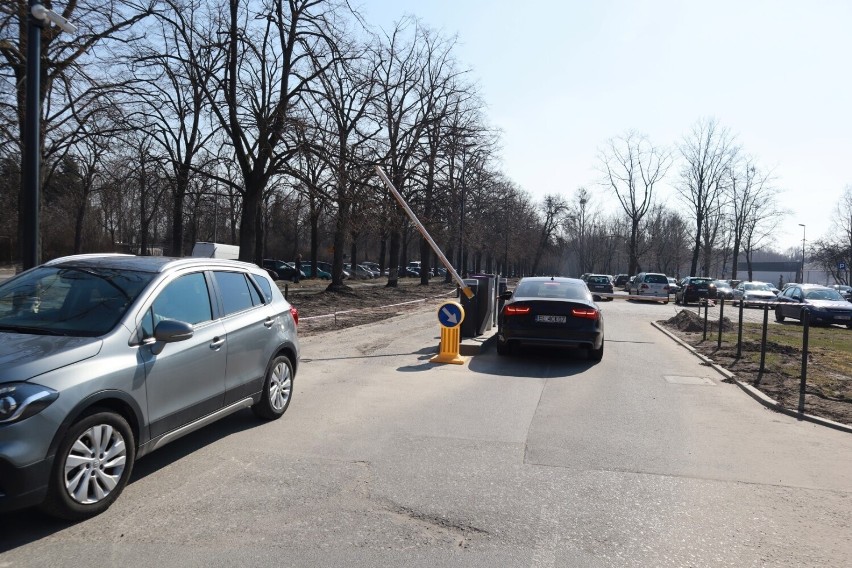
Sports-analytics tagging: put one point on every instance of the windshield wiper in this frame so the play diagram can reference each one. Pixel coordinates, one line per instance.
(32, 330)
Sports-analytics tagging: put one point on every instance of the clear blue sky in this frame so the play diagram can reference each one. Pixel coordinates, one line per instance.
(561, 77)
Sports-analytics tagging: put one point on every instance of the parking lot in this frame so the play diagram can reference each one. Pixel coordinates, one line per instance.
(539, 459)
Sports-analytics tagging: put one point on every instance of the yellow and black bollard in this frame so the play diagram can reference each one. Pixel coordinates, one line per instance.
(450, 316)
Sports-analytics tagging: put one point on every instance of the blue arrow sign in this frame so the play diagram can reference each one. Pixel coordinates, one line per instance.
(450, 314)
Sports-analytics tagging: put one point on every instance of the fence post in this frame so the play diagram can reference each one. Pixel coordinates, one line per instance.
(286, 291)
(763, 344)
(721, 317)
(706, 307)
(740, 333)
(806, 326)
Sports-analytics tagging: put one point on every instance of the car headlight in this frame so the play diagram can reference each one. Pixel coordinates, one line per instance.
(21, 400)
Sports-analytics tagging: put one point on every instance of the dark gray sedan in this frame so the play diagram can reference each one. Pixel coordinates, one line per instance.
(825, 305)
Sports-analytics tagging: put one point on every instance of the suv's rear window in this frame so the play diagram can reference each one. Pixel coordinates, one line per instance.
(656, 279)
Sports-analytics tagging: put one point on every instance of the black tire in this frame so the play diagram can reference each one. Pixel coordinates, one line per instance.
(596, 354)
(779, 317)
(76, 466)
(677, 300)
(277, 389)
(504, 348)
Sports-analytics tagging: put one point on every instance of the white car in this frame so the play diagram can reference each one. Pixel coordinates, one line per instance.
(754, 293)
(651, 284)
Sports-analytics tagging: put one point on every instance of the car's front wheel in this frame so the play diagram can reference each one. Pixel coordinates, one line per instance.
(779, 317)
(277, 389)
(92, 466)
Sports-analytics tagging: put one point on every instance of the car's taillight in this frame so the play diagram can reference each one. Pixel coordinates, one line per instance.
(516, 310)
(295, 313)
(584, 313)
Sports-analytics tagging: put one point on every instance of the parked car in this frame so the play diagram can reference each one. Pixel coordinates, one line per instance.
(326, 266)
(695, 289)
(753, 293)
(283, 270)
(673, 285)
(628, 283)
(359, 271)
(109, 357)
(825, 305)
(845, 291)
(651, 284)
(724, 290)
(620, 280)
(599, 284)
(308, 271)
(551, 312)
(373, 267)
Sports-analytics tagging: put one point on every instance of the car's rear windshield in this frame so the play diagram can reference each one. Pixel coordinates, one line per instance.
(700, 281)
(73, 301)
(599, 280)
(757, 286)
(552, 289)
(656, 279)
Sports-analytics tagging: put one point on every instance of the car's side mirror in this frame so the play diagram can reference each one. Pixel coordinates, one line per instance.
(169, 331)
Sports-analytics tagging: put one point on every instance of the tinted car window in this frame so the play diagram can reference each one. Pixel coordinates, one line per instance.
(236, 292)
(265, 286)
(552, 289)
(74, 301)
(599, 280)
(656, 279)
(184, 299)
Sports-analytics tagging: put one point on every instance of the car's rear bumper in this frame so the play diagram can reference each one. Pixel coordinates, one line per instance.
(581, 340)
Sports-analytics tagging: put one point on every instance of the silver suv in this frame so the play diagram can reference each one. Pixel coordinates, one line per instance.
(105, 358)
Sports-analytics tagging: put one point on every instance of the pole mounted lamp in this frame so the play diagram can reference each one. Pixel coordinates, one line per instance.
(32, 127)
(803, 252)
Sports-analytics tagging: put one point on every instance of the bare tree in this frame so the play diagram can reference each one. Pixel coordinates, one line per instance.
(344, 95)
(749, 193)
(708, 152)
(632, 167)
(71, 71)
(553, 210)
(262, 56)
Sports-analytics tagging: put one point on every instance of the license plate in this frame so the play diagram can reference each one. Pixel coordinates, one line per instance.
(550, 319)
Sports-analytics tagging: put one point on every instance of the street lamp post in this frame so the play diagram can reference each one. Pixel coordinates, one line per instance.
(803, 252)
(38, 14)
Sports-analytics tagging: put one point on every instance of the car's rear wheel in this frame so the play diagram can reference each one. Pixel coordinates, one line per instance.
(596, 354)
(91, 467)
(779, 317)
(277, 389)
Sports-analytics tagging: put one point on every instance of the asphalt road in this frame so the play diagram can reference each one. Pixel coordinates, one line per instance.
(384, 459)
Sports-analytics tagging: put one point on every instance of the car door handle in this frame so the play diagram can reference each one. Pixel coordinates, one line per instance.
(217, 343)
(268, 322)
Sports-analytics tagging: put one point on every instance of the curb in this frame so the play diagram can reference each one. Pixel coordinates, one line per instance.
(756, 394)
